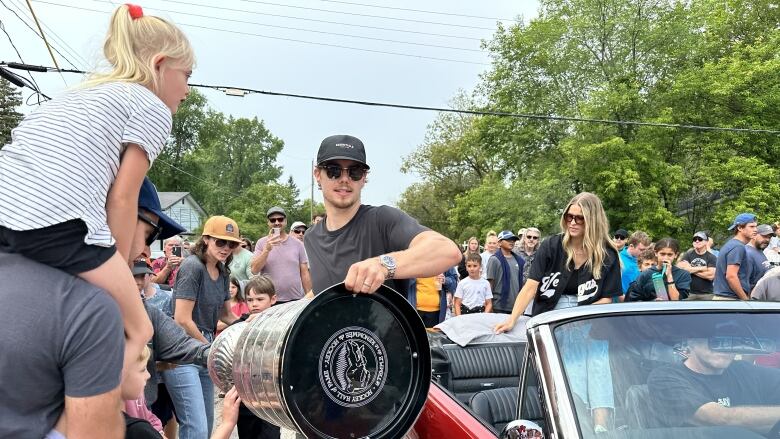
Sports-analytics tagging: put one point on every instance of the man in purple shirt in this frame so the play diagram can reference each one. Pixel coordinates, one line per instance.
(283, 259)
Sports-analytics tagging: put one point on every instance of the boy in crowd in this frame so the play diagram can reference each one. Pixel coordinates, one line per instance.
(260, 295)
(647, 260)
(473, 294)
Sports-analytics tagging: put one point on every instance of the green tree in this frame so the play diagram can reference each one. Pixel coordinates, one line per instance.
(10, 99)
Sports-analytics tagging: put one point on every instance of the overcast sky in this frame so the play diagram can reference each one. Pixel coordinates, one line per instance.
(255, 50)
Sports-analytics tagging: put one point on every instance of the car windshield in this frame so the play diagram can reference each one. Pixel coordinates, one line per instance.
(674, 375)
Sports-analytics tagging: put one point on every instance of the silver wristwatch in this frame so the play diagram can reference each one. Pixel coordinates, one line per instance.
(388, 262)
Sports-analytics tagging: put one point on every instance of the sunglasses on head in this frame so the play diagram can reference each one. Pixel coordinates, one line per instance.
(224, 242)
(578, 219)
(356, 172)
(276, 219)
(155, 231)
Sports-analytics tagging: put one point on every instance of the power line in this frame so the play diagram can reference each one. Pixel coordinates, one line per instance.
(338, 46)
(421, 11)
(285, 27)
(65, 46)
(10, 40)
(448, 110)
(33, 29)
(355, 14)
(314, 20)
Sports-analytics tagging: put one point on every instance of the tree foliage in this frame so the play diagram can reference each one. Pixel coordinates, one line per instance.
(10, 99)
(702, 62)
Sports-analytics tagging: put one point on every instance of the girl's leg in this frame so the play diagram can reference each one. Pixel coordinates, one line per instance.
(186, 392)
(115, 277)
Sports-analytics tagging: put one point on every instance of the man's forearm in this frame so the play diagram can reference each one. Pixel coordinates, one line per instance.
(736, 287)
(162, 276)
(758, 418)
(428, 254)
(259, 261)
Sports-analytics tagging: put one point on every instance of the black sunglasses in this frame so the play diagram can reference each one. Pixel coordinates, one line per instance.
(224, 242)
(697, 239)
(532, 237)
(620, 238)
(578, 219)
(333, 172)
(277, 219)
(155, 231)
(298, 231)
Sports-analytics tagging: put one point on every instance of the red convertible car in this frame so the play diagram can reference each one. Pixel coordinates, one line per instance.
(644, 370)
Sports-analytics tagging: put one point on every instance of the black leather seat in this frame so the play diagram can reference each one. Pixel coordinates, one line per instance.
(496, 407)
(482, 367)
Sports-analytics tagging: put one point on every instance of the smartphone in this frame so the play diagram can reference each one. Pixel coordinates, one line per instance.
(176, 250)
(277, 230)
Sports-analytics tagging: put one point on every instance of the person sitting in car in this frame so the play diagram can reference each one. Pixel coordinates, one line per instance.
(712, 388)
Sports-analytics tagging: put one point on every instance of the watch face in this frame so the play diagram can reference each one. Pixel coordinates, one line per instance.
(388, 261)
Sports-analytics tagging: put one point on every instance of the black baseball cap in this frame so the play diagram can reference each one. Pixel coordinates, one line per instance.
(342, 147)
(148, 200)
(621, 232)
(141, 267)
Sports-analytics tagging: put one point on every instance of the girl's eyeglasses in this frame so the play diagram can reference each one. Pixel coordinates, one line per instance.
(578, 219)
(356, 173)
(224, 242)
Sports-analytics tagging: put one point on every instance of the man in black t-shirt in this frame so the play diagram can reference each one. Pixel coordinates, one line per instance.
(710, 388)
(701, 264)
(366, 246)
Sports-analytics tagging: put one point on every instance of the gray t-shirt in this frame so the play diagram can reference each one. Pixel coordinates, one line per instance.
(62, 337)
(768, 288)
(732, 253)
(495, 272)
(193, 282)
(373, 231)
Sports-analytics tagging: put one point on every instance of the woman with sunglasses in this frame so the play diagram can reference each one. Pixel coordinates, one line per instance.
(579, 266)
(201, 298)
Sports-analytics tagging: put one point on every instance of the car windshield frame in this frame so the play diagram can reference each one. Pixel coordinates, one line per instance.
(556, 321)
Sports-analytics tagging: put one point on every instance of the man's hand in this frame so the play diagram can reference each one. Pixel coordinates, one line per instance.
(365, 276)
(173, 261)
(273, 241)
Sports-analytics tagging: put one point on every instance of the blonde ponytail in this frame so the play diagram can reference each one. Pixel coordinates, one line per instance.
(134, 45)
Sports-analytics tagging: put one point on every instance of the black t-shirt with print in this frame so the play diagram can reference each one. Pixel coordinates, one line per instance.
(549, 269)
(677, 392)
(700, 285)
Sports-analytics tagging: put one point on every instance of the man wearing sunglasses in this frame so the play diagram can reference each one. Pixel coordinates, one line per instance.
(63, 345)
(701, 264)
(365, 246)
(283, 259)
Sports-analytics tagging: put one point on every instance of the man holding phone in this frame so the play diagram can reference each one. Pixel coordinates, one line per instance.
(283, 259)
(166, 267)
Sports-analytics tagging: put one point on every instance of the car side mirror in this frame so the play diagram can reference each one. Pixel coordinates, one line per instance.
(522, 429)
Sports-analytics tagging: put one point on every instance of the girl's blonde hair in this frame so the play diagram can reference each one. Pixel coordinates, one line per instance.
(468, 244)
(133, 45)
(145, 354)
(595, 240)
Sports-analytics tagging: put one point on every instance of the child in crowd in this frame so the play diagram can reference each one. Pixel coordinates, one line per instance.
(70, 178)
(237, 302)
(473, 294)
(676, 281)
(647, 259)
(260, 295)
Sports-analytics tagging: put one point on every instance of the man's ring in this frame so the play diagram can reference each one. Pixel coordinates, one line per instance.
(368, 284)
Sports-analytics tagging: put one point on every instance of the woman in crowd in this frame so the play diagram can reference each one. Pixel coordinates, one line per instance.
(201, 298)
(472, 247)
(579, 266)
(676, 281)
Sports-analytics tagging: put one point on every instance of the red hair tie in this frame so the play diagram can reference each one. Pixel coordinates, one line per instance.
(135, 11)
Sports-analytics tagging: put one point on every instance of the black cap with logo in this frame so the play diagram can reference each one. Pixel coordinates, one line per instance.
(342, 147)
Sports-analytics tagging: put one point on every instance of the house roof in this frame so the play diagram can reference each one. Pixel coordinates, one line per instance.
(168, 199)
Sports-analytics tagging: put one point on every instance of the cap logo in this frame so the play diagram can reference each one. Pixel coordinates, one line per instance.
(345, 145)
(229, 228)
(353, 367)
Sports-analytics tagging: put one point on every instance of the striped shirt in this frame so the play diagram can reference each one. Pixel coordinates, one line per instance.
(64, 157)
